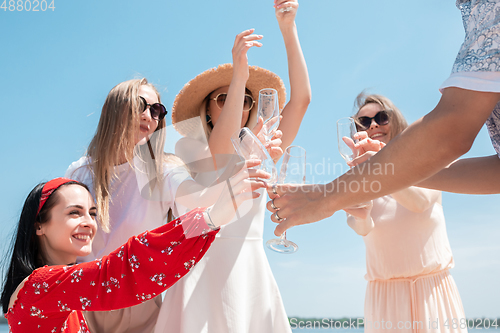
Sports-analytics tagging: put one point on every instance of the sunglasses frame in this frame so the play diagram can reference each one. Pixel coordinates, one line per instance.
(215, 100)
(163, 109)
(377, 116)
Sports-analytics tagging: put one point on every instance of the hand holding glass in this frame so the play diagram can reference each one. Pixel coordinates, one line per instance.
(346, 128)
(293, 171)
(248, 146)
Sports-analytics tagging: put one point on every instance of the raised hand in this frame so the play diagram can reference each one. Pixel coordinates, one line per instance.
(285, 11)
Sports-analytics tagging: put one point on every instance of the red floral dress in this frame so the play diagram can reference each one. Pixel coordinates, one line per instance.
(53, 297)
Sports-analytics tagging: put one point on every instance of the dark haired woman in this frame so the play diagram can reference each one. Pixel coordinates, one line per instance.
(44, 291)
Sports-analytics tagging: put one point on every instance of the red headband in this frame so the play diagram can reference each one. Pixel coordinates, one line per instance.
(49, 188)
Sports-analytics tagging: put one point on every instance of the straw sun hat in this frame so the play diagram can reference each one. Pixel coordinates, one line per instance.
(189, 100)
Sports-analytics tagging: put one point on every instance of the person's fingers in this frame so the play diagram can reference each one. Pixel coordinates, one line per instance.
(271, 205)
(252, 37)
(286, 3)
(243, 34)
(274, 143)
(361, 135)
(252, 163)
(275, 153)
(277, 135)
(286, 224)
(274, 189)
(258, 127)
(256, 173)
(349, 142)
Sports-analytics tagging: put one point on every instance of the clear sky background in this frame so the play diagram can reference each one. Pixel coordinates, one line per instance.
(56, 68)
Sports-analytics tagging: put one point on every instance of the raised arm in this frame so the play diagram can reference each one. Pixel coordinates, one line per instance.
(229, 120)
(300, 89)
(136, 272)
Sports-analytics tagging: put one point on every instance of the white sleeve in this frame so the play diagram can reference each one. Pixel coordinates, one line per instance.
(80, 171)
(174, 176)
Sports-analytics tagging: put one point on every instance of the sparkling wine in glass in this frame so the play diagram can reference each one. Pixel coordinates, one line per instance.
(269, 111)
(293, 171)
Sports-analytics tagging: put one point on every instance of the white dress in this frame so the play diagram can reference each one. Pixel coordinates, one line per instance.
(232, 289)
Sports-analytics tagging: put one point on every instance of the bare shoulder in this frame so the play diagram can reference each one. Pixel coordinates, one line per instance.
(13, 298)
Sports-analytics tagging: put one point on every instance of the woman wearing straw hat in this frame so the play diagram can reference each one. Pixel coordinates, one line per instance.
(233, 289)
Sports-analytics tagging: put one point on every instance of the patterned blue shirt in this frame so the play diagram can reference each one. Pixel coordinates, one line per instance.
(480, 51)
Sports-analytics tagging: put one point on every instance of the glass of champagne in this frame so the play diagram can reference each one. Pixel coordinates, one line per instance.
(248, 146)
(293, 171)
(269, 111)
(346, 128)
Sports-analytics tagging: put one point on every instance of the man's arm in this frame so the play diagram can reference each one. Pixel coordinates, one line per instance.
(479, 175)
(423, 149)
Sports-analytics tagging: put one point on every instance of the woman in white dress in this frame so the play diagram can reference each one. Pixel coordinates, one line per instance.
(233, 288)
(135, 185)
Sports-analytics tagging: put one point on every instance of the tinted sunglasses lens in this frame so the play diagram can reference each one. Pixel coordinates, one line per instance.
(221, 99)
(158, 111)
(144, 104)
(382, 118)
(247, 103)
(364, 123)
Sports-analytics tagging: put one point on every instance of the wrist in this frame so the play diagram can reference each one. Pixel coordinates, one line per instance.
(288, 27)
(330, 198)
(208, 219)
(238, 81)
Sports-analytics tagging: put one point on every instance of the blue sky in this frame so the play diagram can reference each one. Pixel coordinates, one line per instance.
(56, 68)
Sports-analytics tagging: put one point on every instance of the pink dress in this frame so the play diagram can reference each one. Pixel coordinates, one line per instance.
(408, 257)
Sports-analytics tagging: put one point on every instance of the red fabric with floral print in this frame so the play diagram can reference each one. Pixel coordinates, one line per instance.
(54, 296)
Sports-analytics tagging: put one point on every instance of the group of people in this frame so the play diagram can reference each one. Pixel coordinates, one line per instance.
(94, 250)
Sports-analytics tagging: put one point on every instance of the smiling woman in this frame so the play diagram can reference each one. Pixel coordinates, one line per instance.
(408, 255)
(46, 291)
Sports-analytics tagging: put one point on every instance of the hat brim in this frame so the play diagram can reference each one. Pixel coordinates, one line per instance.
(187, 103)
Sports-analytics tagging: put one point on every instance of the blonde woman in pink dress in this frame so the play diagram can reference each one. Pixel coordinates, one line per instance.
(408, 255)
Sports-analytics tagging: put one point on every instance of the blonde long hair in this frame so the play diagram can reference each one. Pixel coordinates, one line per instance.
(114, 142)
(396, 118)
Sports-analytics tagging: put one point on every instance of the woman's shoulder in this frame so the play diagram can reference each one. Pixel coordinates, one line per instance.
(80, 169)
(13, 298)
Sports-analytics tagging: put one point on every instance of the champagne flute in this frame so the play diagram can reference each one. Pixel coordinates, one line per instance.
(346, 128)
(248, 146)
(293, 171)
(269, 111)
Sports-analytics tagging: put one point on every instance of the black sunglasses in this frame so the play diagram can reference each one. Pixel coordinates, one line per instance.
(364, 123)
(158, 111)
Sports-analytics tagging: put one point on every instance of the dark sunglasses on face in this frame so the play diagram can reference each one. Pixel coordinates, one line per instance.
(364, 123)
(158, 111)
(220, 99)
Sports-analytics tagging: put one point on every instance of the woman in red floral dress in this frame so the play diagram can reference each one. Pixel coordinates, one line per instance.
(45, 292)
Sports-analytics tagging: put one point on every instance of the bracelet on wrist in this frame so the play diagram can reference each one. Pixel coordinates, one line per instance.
(209, 222)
